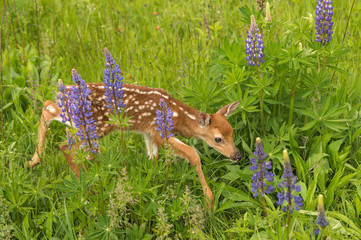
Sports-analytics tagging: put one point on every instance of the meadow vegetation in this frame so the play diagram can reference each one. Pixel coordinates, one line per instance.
(304, 97)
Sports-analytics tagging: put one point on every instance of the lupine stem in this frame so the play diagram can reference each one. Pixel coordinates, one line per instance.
(263, 191)
(115, 110)
(166, 177)
(323, 62)
(289, 207)
(261, 101)
(292, 101)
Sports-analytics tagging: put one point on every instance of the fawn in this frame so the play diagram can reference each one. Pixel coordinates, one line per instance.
(141, 104)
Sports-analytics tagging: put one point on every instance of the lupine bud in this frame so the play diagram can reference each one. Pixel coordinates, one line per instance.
(113, 82)
(321, 219)
(324, 24)
(164, 120)
(254, 45)
(268, 13)
(262, 175)
(289, 188)
(260, 4)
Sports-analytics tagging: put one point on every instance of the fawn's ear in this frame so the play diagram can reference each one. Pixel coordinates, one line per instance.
(203, 119)
(228, 109)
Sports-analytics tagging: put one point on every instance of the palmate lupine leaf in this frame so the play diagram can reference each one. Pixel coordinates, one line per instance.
(325, 117)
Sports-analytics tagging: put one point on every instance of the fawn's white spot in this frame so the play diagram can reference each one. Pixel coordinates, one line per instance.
(154, 104)
(129, 108)
(173, 103)
(100, 117)
(146, 114)
(190, 116)
(175, 114)
(51, 109)
(136, 102)
(141, 107)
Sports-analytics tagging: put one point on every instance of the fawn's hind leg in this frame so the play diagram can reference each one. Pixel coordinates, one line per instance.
(49, 113)
(69, 157)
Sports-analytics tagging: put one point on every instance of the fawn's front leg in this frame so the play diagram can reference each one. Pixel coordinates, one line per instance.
(49, 113)
(185, 151)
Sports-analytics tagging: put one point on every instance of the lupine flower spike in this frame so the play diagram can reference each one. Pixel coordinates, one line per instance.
(164, 120)
(262, 173)
(113, 82)
(82, 115)
(254, 45)
(324, 24)
(64, 102)
(289, 188)
(268, 13)
(321, 218)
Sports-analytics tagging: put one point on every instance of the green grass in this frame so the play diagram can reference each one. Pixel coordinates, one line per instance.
(197, 55)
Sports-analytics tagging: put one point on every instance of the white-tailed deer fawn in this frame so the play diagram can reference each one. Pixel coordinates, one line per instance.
(141, 104)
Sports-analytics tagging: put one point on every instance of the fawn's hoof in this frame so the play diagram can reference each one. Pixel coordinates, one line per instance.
(32, 163)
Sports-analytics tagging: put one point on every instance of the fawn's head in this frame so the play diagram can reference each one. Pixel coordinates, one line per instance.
(217, 131)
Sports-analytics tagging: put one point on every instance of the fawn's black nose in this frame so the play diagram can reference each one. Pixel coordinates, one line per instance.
(236, 156)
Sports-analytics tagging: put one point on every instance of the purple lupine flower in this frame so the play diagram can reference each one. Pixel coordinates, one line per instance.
(254, 45)
(324, 24)
(316, 231)
(69, 139)
(262, 173)
(164, 120)
(289, 183)
(64, 102)
(113, 82)
(321, 218)
(81, 111)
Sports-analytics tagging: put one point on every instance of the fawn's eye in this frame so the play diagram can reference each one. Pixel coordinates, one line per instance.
(218, 140)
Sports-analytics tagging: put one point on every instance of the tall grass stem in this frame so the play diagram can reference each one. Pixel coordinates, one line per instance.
(20, 34)
(344, 35)
(1, 77)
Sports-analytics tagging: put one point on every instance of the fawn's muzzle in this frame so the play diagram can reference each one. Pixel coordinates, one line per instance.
(236, 156)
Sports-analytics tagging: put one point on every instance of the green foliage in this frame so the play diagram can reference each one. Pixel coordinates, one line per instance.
(310, 101)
